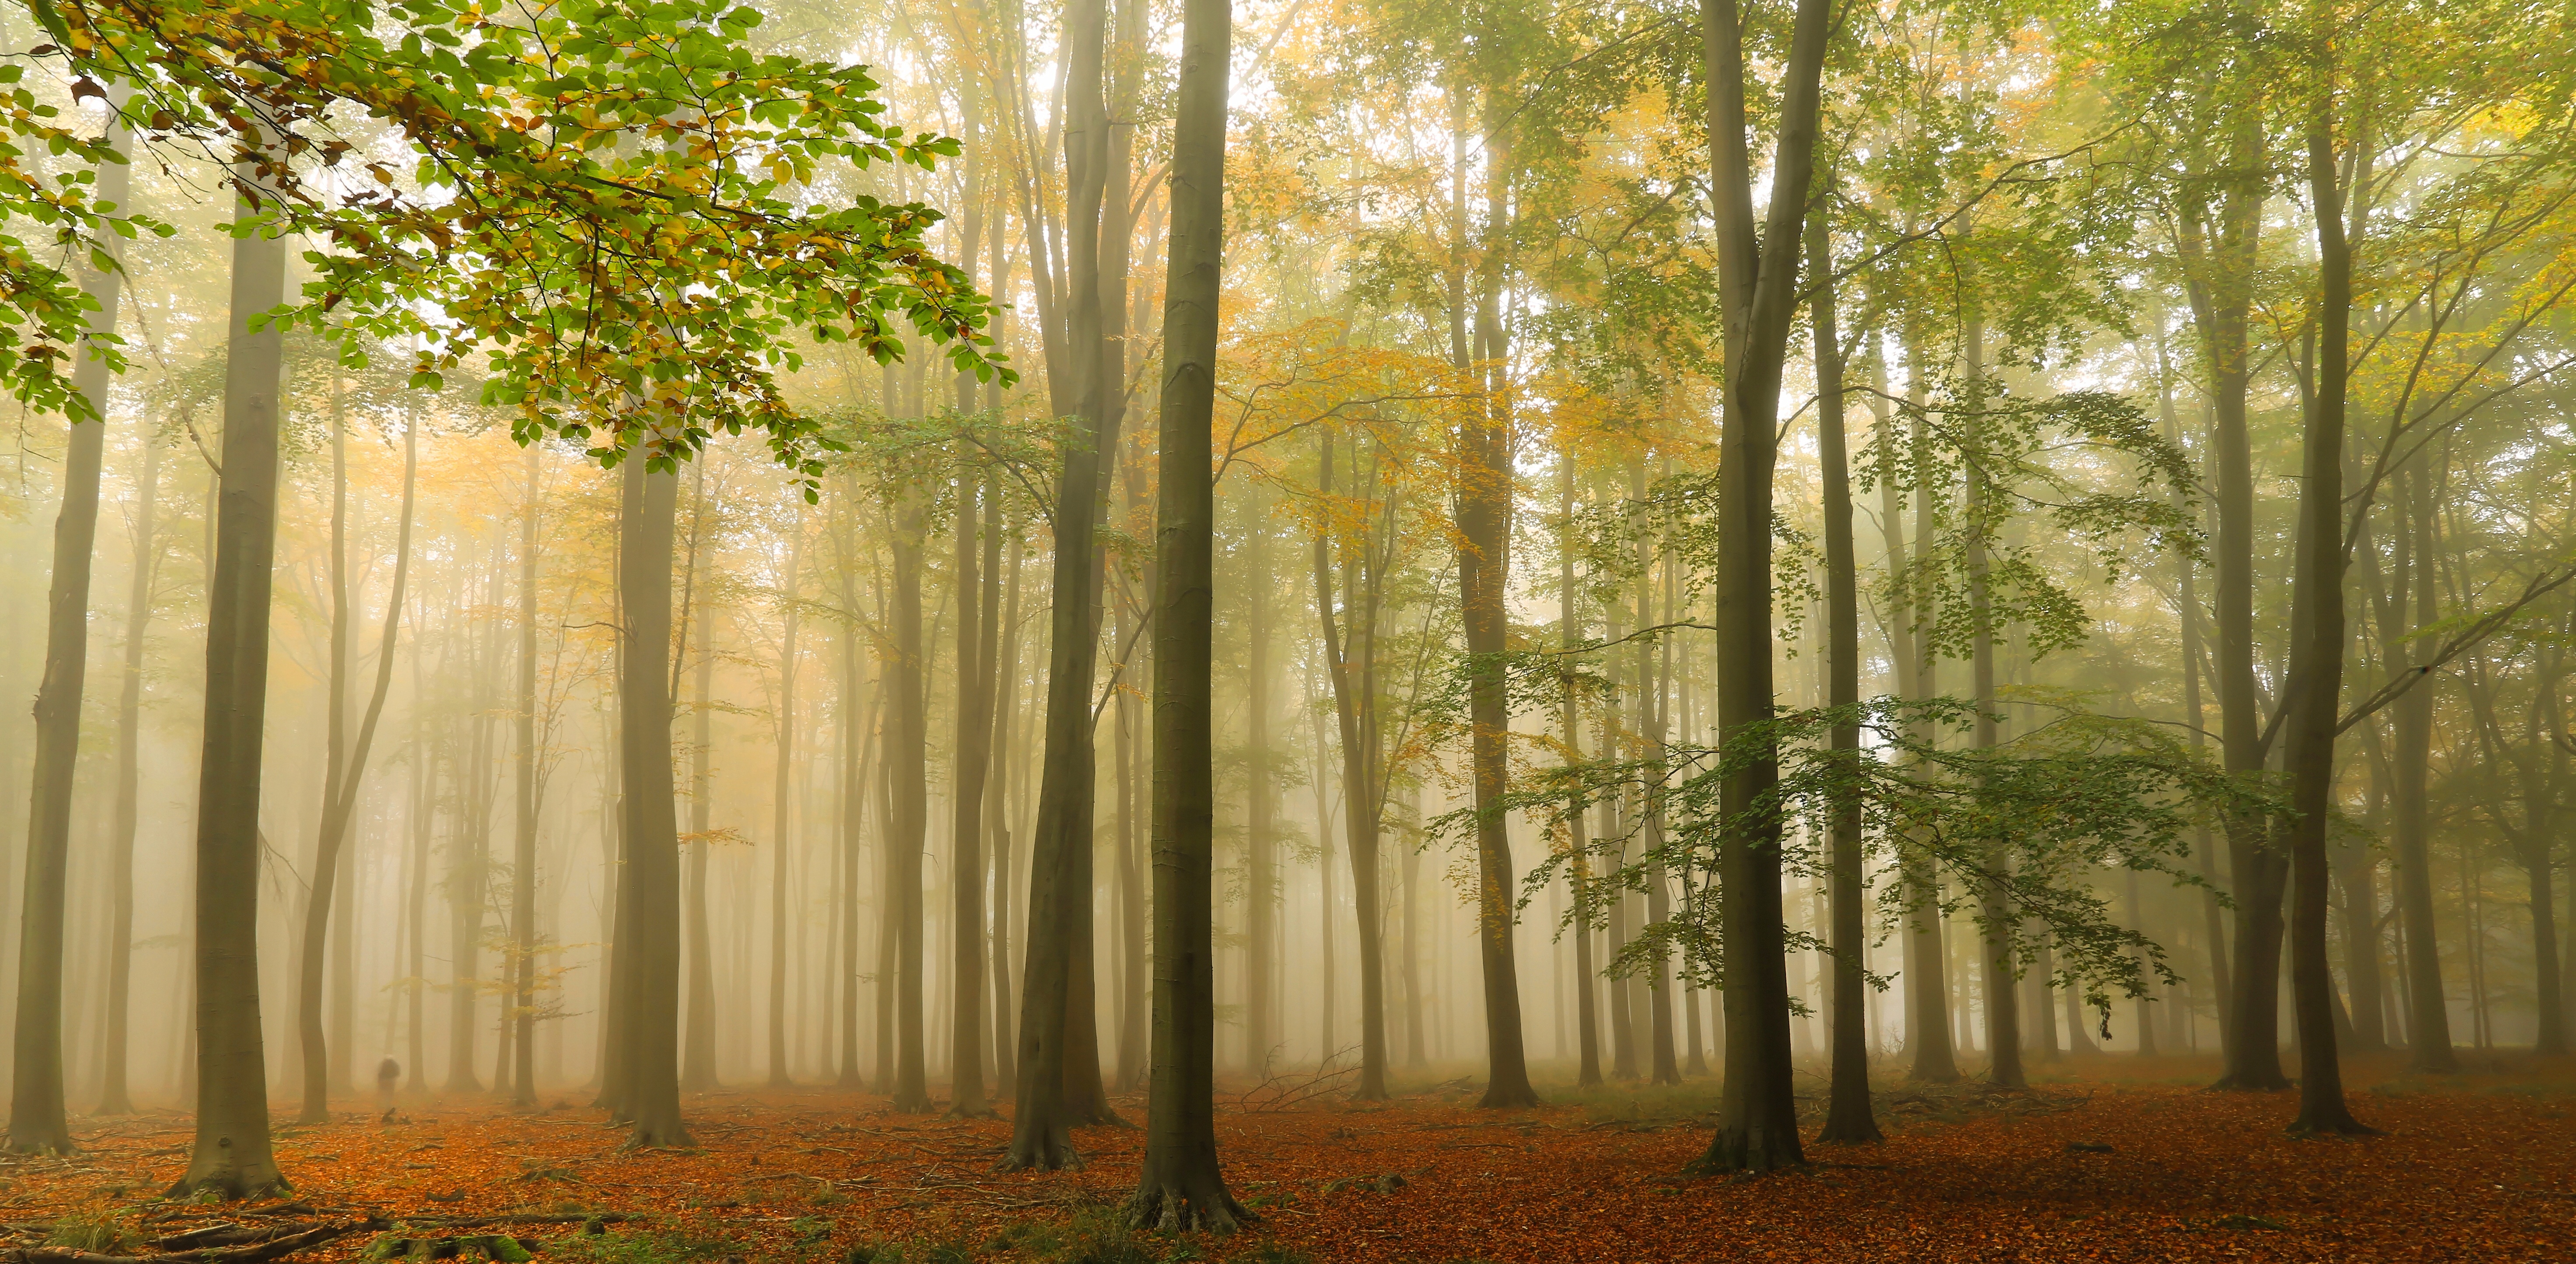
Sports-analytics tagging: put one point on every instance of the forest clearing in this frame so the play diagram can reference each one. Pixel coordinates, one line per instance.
(2107, 1159)
(1123, 631)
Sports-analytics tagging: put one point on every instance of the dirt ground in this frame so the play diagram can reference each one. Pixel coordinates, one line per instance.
(2109, 1158)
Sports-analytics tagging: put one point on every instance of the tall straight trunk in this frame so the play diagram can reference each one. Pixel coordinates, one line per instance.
(231, 1155)
(345, 768)
(2314, 696)
(1005, 674)
(2428, 1019)
(782, 803)
(415, 898)
(1051, 989)
(2003, 995)
(1757, 283)
(468, 854)
(1360, 797)
(975, 649)
(1484, 515)
(2534, 851)
(1578, 877)
(525, 789)
(1927, 997)
(1408, 944)
(2222, 299)
(648, 913)
(1180, 1186)
(38, 1123)
(908, 757)
(1847, 1112)
(2187, 601)
(114, 1099)
(1260, 861)
(698, 1029)
(1654, 689)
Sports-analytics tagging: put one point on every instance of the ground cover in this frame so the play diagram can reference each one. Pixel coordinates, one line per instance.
(2109, 1159)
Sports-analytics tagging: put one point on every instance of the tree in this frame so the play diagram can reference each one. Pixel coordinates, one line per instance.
(232, 1156)
(1757, 1127)
(37, 1124)
(1180, 1186)
(346, 767)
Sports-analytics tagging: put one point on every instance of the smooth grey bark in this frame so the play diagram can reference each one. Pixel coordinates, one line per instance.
(698, 1027)
(1260, 862)
(2000, 975)
(1006, 679)
(1355, 717)
(114, 1098)
(2314, 697)
(2221, 279)
(648, 973)
(1847, 1113)
(1180, 1186)
(908, 759)
(1927, 996)
(38, 1123)
(345, 773)
(527, 787)
(975, 651)
(1758, 265)
(231, 1155)
(782, 803)
(1578, 877)
(1484, 522)
(1054, 989)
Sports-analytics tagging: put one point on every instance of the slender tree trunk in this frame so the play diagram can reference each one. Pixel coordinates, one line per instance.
(1484, 513)
(523, 862)
(973, 757)
(345, 768)
(1927, 998)
(1051, 1019)
(1587, 1018)
(1005, 675)
(649, 911)
(1360, 801)
(2003, 995)
(1180, 1186)
(2428, 1019)
(1847, 1116)
(782, 802)
(232, 1156)
(1757, 281)
(114, 1099)
(1260, 863)
(907, 755)
(698, 1053)
(2314, 696)
(37, 1120)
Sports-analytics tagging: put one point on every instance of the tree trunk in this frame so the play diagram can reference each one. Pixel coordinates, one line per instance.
(1006, 676)
(698, 1030)
(2003, 994)
(1484, 517)
(973, 757)
(1578, 877)
(908, 756)
(2428, 1019)
(1847, 1114)
(1260, 863)
(648, 975)
(37, 1120)
(1180, 1186)
(782, 804)
(1053, 989)
(1927, 988)
(1757, 282)
(114, 1099)
(2314, 696)
(344, 772)
(231, 1155)
(1360, 798)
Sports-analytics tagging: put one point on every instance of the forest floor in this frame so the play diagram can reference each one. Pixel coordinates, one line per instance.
(2107, 1158)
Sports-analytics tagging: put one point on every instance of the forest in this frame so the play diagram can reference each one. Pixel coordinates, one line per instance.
(1287, 631)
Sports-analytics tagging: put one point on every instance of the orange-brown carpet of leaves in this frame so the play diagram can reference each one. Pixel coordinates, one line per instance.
(2474, 1168)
